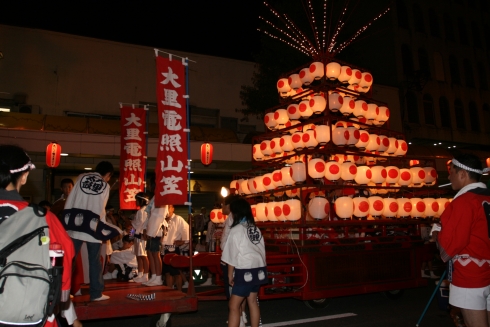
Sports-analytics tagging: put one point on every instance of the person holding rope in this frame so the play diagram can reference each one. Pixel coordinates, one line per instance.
(463, 240)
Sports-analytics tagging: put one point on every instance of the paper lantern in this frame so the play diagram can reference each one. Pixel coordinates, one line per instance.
(251, 185)
(283, 87)
(344, 207)
(418, 208)
(363, 175)
(392, 174)
(260, 211)
(275, 145)
(360, 109)
(281, 117)
(378, 174)
(269, 211)
(340, 135)
(307, 127)
(418, 175)
(244, 187)
(431, 207)
(233, 186)
(361, 206)
(405, 177)
(390, 207)
(402, 148)
(286, 143)
(292, 209)
(277, 178)
(354, 136)
(269, 121)
(267, 181)
(304, 109)
(393, 146)
(297, 140)
(254, 212)
(348, 171)
(355, 78)
(384, 114)
(366, 81)
(487, 162)
(359, 160)
(376, 206)
(265, 147)
(213, 215)
(294, 81)
(430, 175)
(277, 211)
(372, 112)
(316, 168)
(332, 170)
(404, 207)
(317, 70)
(319, 207)
(239, 186)
(322, 134)
(293, 111)
(318, 104)
(363, 140)
(297, 128)
(416, 162)
(374, 142)
(335, 102)
(298, 172)
(348, 106)
(345, 74)
(286, 177)
(257, 153)
(384, 143)
(305, 76)
(332, 70)
(293, 193)
(53, 155)
(443, 203)
(309, 139)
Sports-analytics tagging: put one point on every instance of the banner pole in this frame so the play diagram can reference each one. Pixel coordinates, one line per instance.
(147, 111)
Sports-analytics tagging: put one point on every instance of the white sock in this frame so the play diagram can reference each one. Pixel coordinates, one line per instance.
(140, 274)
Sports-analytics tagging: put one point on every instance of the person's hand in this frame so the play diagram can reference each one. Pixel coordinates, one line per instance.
(144, 236)
(230, 280)
(77, 323)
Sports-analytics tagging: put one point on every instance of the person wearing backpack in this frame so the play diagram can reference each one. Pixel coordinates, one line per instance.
(15, 165)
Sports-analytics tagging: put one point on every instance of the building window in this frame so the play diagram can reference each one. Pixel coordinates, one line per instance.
(429, 110)
(229, 123)
(412, 108)
(482, 76)
(439, 67)
(401, 11)
(474, 121)
(418, 17)
(463, 36)
(424, 62)
(448, 28)
(454, 69)
(434, 23)
(459, 114)
(476, 35)
(468, 72)
(407, 60)
(444, 112)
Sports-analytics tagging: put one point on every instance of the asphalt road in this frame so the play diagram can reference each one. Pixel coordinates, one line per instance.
(369, 310)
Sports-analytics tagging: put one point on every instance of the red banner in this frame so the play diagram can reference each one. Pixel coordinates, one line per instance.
(132, 166)
(170, 170)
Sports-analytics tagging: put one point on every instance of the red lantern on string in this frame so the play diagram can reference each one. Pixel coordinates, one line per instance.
(207, 154)
(53, 153)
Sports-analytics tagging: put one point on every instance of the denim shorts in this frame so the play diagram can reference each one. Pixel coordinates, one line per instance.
(153, 244)
(244, 290)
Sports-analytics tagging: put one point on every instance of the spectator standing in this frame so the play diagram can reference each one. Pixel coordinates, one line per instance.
(59, 205)
(140, 244)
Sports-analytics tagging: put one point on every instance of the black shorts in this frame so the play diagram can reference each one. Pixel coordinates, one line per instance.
(168, 269)
(153, 244)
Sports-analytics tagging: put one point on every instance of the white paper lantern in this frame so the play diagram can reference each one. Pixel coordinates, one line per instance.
(304, 109)
(404, 207)
(286, 178)
(319, 207)
(361, 206)
(269, 121)
(384, 143)
(418, 175)
(431, 207)
(251, 185)
(402, 148)
(393, 146)
(345, 74)
(294, 81)
(359, 160)
(366, 81)
(309, 139)
(283, 87)
(277, 178)
(267, 181)
(405, 177)
(292, 209)
(297, 128)
(297, 140)
(316, 168)
(392, 174)
(293, 193)
(265, 147)
(363, 175)
(384, 114)
(275, 145)
(293, 111)
(317, 70)
(260, 211)
(281, 117)
(443, 203)
(286, 143)
(277, 211)
(354, 80)
(332, 70)
(376, 206)
(390, 207)
(244, 187)
(360, 109)
(332, 170)
(372, 112)
(379, 174)
(322, 134)
(344, 207)
(305, 76)
(363, 140)
(234, 185)
(374, 142)
(257, 153)
(298, 172)
(418, 208)
(348, 171)
(318, 104)
(354, 136)
(254, 212)
(213, 215)
(430, 175)
(340, 135)
(335, 102)
(269, 211)
(348, 106)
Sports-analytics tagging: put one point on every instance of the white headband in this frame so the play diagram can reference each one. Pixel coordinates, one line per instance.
(460, 165)
(27, 166)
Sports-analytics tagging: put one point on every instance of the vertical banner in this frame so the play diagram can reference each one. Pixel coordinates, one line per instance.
(171, 165)
(133, 156)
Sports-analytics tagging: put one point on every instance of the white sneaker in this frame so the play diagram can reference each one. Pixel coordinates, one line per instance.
(107, 276)
(155, 282)
(142, 279)
(244, 317)
(150, 280)
(242, 324)
(185, 285)
(102, 298)
(208, 282)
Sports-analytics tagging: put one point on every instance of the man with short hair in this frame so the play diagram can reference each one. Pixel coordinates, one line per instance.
(463, 239)
(59, 205)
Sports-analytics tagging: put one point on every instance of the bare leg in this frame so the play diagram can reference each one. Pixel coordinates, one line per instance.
(158, 263)
(178, 282)
(151, 260)
(234, 305)
(169, 280)
(253, 307)
(475, 318)
(146, 268)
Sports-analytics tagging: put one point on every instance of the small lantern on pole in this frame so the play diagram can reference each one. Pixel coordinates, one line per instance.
(206, 153)
(53, 153)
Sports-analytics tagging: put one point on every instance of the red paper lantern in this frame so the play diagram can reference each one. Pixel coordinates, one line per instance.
(207, 154)
(53, 153)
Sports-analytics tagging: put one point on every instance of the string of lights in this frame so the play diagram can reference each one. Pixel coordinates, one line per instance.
(298, 42)
(324, 36)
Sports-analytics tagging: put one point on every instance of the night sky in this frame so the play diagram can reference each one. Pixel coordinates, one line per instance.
(224, 28)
